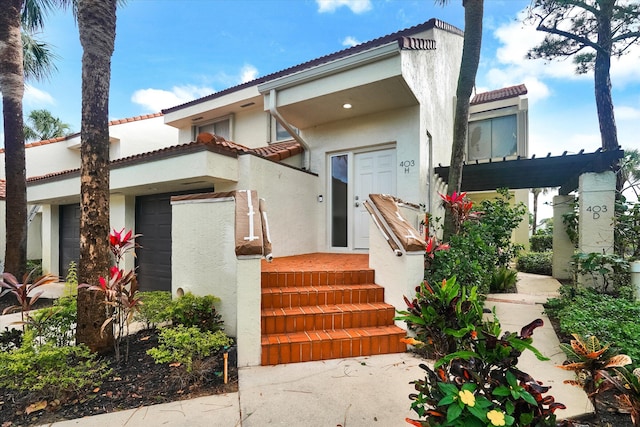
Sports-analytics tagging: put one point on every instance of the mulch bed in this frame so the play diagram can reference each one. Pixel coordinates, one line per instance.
(139, 382)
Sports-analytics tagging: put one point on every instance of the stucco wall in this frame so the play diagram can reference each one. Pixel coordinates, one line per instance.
(143, 135)
(432, 75)
(293, 209)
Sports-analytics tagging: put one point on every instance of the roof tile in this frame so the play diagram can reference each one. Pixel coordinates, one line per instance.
(499, 94)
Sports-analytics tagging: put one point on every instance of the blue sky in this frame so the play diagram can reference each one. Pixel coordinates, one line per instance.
(171, 51)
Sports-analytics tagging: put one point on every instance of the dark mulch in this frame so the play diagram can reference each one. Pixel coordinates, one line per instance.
(140, 382)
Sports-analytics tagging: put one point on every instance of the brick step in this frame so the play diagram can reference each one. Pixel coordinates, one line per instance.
(326, 317)
(331, 344)
(295, 296)
(276, 279)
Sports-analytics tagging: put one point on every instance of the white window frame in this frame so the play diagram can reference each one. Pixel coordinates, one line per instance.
(230, 118)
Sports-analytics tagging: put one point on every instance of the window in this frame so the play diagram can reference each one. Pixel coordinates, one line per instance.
(491, 138)
(278, 132)
(339, 201)
(220, 127)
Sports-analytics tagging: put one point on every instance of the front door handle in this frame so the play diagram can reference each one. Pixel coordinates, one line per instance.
(357, 204)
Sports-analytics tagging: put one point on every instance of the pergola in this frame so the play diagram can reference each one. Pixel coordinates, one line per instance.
(591, 174)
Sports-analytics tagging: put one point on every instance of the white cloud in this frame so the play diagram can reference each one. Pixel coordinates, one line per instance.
(156, 99)
(36, 98)
(248, 73)
(627, 113)
(350, 41)
(356, 6)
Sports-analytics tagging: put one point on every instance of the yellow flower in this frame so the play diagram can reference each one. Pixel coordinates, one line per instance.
(496, 417)
(467, 397)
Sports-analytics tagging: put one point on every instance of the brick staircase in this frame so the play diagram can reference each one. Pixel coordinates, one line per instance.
(320, 314)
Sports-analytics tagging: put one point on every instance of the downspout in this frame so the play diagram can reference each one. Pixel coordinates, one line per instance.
(273, 109)
(429, 171)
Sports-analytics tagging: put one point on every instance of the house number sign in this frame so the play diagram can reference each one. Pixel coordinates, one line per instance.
(407, 165)
(596, 210)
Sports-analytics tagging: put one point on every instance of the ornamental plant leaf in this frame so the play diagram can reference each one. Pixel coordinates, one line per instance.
(453, 412)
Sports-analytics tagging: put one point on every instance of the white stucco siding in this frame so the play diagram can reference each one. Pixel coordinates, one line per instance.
(212, 247)
(251, 128)
(142, 136)
(292, 203)
(432, 75)
(47, 158)
(396, 129)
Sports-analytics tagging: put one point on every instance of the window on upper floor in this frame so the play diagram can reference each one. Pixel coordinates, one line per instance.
(493, 137)
(278, 132)
(221, 127)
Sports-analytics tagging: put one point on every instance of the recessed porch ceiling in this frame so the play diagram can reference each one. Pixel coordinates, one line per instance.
(383, 95)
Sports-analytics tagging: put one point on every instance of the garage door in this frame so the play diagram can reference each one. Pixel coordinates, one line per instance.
(69, 249)
(153, 221)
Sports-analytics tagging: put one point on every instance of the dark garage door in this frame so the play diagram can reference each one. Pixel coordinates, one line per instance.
(69, 237)
(153, 221)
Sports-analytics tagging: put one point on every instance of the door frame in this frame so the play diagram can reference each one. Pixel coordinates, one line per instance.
(350, 153)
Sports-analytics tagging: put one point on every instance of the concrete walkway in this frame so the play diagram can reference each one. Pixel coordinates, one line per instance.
(353, 392)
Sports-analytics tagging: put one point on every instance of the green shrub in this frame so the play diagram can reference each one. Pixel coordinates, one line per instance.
(34, 266)
(541, 243)
(587, 312)
(442, 315)
(57, 324)
(10, 339)
(503, 280)
(535, 263)
(155, 308)
(48, 369)
(185, 345)
(191, 310)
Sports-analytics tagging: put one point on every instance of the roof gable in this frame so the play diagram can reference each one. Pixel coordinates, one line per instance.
(411, 43)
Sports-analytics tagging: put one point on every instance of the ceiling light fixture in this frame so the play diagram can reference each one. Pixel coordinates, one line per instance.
(347, 106)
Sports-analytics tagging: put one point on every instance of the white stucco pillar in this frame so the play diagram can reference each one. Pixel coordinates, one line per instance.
(597, 198)
(398, 275)
(595, 229)
(204, 262)
(122, 215)
(51, 240)
(563, 248)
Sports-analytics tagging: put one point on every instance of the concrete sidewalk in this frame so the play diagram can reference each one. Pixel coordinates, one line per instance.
(354, 392)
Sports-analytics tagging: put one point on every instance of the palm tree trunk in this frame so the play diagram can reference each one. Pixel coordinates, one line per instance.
(12, 88)
(473, 13)
(97, 25)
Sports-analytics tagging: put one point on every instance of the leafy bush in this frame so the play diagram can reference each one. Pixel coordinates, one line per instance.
(191, 310)
(541, 243)
(155, 308)
(481, 385)
(608, 273)
(34, 267)
(10, 339)
(185, 345)
(482, 243)
(587, 312)
(441, 315)
(503, 280)
(57, 324)
(535, 263)
(49, 369)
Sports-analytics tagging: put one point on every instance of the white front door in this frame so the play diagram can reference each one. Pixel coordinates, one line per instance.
(374, 173)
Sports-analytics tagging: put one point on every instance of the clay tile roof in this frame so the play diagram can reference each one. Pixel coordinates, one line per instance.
(412, 43)
(3, 189)
(497, 95)
(134, 119)
(380, 41)
(73, 135)
(279, 151)
(205, 141)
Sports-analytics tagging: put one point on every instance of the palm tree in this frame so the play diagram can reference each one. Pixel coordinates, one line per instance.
(536, 192)
(42, 125)
(97, 27)
(473, 13)
(14, 15)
